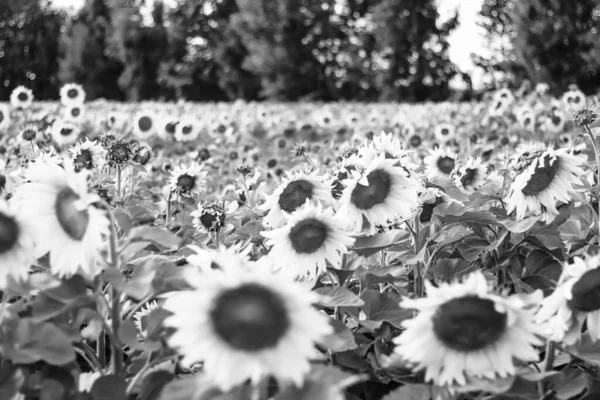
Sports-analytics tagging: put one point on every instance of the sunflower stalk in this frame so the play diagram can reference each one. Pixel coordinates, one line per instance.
(588, 130)
(549, 364)
(118, 182)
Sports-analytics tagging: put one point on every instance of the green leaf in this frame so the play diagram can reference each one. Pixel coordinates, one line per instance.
(454, 234)
(368, 245)
(471, 248)
(381, 307)
(123, 219)
(109, 387)
(587, 349)
(156, 235)
(128, 334)
(342, 339)
(337, 296)
(323, 383)
(153, 384)
(541, 263)
(447, 269)
(26, 342)
(569, 383)
(410, 392)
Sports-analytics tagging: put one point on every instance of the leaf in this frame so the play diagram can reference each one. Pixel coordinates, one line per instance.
(153, 384)
(454, 234)
(368, 245)
(27, 342)
(451, 213)
(587, 349)
(471, 248)
(447, 269)
(109, 387)
(123, 219)
(541, 263)
(342, 338)
(410, 392)
(337, 296)
(323, 383)
(381, 307)
(570, 383)
(156, 235)
(128, 334)
(519, 226)
(550, 237)
(140, 283)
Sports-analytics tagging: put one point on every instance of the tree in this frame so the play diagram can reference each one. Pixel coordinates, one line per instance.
(86, 56)
(413, 51)
(557, 42)
(29, 47)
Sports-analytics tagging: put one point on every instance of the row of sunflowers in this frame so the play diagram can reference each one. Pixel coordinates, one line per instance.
(299, 251)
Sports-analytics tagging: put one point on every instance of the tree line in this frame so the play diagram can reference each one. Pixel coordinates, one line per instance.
(284, 50)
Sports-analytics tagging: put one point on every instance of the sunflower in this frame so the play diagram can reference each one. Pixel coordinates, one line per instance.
(143, 125)
(555, 122)
(21, 98)
(292, 193)
(573, 100)
(440, 163)
(187, 129)
(445, 133)
(167, 126)
(65, 132)
(16, 245)
(187, 181)
(141, 316)
(29, 132)
(470, 175)
(223, 257)
(390, 146)
(209, 218)
(119, 152)
(88, 155)
(4, 118)
(380, 193)
(246, 324)
(430, 198)
(74, 113)
(543, 179)
(57, 207)
(526, 119)
(464, 330)
(72, 93)
(311, 238)
(574, 301)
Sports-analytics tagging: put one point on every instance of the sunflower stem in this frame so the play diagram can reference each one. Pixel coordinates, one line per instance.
(549, 363)
(168, 216)
(118, 182)
(587, 130)
(248, 198)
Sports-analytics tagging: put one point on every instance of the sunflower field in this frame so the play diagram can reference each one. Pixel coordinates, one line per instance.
(254, 251)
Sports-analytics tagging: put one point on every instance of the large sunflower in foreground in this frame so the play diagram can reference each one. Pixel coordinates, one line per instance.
(382, 192)
(310, 239)
(16, 246)
(464, 330)
(59, 211)
(293, 192)
(246, 324)
(574, 301)
(543, 179)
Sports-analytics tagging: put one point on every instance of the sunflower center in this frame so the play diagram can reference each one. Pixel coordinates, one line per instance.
(250, 317)
(84, 158)
(22, 96)
(586, 292)
(186, 130)
(295, 194)
(29, 134)
(120, 152)
(75, 112)
(427, 210)
(72, 93)
(445, 132)
(170, 128)
(145, 124)
(73, 220)
(212, 221)
(468, 177)
(378, 189)
(468, 323)
(2, 182)
(415, 140)
(542, 176)
(445, 164)
(186, 182)
(308, 236)
(66, 131)
(9, 233)
(1, 117)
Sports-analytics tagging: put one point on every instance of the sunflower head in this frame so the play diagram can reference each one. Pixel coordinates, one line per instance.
(210, 217)
(585, 116)
(295, 194)
(9, 232)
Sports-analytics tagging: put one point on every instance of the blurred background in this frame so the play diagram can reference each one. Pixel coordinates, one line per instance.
(298, 50)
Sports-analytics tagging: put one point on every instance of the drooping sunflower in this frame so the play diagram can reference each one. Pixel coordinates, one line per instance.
(292, 193)
(465, 330)
(21, 98)
(381, 192)
(209, 217)
(56, 206)
(16, 245)
(470, 175)
(543, 179)
(143, 125)
(311, 238)
(65, 132)
(187, 181)
(72, 93)
(440, 163)
(245, 323)
(88, 155)
(574, 301)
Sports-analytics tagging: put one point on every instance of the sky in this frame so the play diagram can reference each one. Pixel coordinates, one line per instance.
(466, 39)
